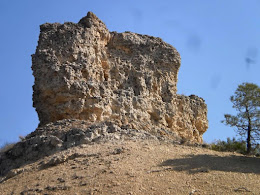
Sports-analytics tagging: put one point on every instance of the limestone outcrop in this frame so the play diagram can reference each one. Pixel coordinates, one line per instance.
(83, 71)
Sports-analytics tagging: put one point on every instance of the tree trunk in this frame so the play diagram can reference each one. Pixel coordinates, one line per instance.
(249, 146)
(249, 139)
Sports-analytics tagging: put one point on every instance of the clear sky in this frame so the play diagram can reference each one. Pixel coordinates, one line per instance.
(214, 37)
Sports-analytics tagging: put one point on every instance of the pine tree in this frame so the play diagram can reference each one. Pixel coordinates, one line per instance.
(247, 121)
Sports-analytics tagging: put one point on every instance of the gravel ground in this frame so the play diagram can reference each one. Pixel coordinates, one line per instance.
(136, 167)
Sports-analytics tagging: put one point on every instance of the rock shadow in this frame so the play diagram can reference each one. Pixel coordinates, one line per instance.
(205, 163)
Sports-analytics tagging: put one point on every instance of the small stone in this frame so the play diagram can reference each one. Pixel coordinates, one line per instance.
(118, 151)
(82, 183)
(116, 136)
(61, 180)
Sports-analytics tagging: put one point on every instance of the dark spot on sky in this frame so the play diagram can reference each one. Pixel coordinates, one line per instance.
(137, 17)
(215, 81)
(251, 56)
(193, 43)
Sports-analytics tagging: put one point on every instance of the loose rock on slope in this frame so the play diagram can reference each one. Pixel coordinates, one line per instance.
(83, 71)
(62, 135)
(136, 167)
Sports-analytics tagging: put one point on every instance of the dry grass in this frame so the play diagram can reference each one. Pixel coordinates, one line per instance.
(6, 147)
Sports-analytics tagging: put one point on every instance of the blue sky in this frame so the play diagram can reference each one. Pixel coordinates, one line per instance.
(213, 37)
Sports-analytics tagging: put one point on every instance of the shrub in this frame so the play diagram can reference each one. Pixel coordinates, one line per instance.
(231, 145)
(6, 147)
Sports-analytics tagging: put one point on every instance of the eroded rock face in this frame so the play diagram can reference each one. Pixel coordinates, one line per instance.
(83, 71)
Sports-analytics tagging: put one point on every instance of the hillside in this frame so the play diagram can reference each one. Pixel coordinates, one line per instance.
(111, 122)
(137, 167)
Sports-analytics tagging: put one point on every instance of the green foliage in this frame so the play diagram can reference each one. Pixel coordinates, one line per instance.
(231, 145)
(247, 121)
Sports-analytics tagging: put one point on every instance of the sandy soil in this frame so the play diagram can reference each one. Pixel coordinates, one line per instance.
(142, 167)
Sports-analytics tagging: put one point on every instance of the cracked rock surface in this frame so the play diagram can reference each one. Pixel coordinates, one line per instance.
(83, 71)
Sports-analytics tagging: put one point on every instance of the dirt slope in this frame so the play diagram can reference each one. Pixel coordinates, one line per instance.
(137, 167)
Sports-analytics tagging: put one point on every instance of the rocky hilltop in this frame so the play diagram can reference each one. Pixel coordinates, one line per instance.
(132, 167)
(95, 86)
(111, 122)
(83, 71)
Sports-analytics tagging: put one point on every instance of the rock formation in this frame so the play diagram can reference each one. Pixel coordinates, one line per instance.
(95, 86)
(83, 71)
